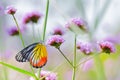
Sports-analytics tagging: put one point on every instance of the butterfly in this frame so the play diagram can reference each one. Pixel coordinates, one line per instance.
(35, 53)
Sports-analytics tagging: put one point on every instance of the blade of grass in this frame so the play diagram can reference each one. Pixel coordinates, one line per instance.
(18, 69)
(81, 7)
(45, 20)
(101, 14)
(99, 68)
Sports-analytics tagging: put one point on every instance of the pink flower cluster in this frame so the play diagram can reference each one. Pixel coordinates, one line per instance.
(55, 40)
(13, 31)
(86, 48)
(77, 22)
(10, 10)
(32, 17)
(58, 31)
(107, 46)
(47, 75)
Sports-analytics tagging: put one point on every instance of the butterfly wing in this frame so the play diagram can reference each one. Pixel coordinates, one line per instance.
(35, 53)
(39, 56)
(25, 54)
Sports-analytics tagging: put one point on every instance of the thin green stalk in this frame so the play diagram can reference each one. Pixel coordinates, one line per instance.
(99, 68)
(39, 74)
(45, 25)
(33, 31)
(74, 61)
(19, 31)
(101, 14)
(81, 7)
(65, 57)
(31, 69)
(46, 18)
(21, 39)
(33, 72)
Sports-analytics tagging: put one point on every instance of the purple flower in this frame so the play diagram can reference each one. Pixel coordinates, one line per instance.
(47, 75)
(107, 47)
(55, 40)
(87, 65)
(86, 48)
(10, 10)
(32, 17)
(77, 22)
(13, 31)
(58, 31)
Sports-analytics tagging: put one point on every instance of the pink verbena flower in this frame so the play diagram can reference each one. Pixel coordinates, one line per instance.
(13, 31)
(10, 10)
(77, 22)
(58, 31)
(32, 17)
(55, 40)
(86, 48)
(47, 75)
(107, 47)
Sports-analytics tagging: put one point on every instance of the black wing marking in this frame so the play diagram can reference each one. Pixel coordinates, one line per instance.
(25, 54)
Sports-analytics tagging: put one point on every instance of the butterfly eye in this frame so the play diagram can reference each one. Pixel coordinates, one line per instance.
(35, 53)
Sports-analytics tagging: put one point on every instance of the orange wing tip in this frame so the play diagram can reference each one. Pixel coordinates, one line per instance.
(40, 63)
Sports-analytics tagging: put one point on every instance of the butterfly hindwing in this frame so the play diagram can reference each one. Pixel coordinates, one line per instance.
(39, 57)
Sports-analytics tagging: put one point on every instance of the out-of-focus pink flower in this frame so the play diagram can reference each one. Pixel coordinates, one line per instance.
(86, 48)
(114, 39)
(10, 10)
(47, 75)
(77, 22)
(32, 17)
(58, 31)
(1, 10)
(107, 46)
(87, 65)
(13, 31)
(55, 40)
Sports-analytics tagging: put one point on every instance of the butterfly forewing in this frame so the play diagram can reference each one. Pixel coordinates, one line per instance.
(25, 54)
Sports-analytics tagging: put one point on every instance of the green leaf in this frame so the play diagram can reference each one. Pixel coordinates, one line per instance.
(18, 69)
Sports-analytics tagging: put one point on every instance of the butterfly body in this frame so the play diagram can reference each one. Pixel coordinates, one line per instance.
(35, 53)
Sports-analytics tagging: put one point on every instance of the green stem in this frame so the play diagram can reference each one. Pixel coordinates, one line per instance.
(99, 68)
(74, 61)
(101, 14)
(65, 57)
(32, 69)
(33, 31)
(45, 25)
(19, 31)
(80, 5)
(22, 39)
(39, 74)
(46, 18)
